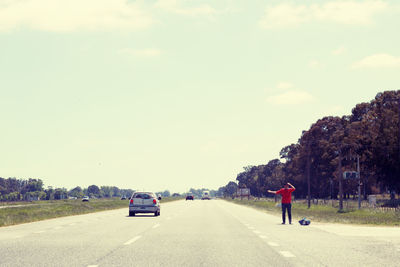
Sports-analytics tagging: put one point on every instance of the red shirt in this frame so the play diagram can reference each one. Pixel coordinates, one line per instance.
(286, 195)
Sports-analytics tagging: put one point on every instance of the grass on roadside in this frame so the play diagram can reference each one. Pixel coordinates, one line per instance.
(42, 210)
(323, 213)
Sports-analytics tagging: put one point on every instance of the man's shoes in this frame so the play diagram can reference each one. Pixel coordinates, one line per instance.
(283, 223)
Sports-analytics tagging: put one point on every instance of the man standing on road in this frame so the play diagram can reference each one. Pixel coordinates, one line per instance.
(286, 194)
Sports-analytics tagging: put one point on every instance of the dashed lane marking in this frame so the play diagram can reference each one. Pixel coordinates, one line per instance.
(132, 240)
(251, 227)
(156, 225)
(39, 232)
(287, 254)
(72, 224)
(262, 236)
(92, 265)
(273, 244)
(256, 232)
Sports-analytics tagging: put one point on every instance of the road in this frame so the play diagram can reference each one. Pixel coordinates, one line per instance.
(195, 233)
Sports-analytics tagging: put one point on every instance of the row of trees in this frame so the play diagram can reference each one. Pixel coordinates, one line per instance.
(99, 192)
(228, 190)
(165, 193)
(13, 189)
(198, 193)
(371, 132)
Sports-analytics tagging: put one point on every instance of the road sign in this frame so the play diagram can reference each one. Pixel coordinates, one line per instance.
(243, 192)
(351, 175)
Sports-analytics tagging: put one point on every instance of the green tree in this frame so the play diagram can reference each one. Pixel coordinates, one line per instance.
(93, 190)
(76, 192)
(230, 189)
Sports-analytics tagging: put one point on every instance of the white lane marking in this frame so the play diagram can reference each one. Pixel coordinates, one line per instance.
(19, 236)
(156, 225)
(262, 236)
(256, 232)
(57, 228)
(287, 254)
(251, 227)
(72, 224)
(92, 265)
(38, 232)
(132, 240)
(273, 244)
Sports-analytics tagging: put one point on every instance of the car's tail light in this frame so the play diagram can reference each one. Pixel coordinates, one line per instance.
(154, 201)
(131, 201)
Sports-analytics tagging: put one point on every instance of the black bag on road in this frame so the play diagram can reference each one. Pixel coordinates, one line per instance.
(304, 221)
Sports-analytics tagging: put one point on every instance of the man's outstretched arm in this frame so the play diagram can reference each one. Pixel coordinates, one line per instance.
(291, 185)
(272, 192)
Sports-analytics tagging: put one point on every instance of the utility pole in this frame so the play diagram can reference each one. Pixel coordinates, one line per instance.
(398, 134)
(398, 137)
(340, 181)
(359, 182)
(308, 176)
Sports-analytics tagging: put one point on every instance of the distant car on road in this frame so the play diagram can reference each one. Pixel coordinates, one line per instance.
(123, 197)
(189, 196)
(206, 195)
(144, 202)
(85, 198)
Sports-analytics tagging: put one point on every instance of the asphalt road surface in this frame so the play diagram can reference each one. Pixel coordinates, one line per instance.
(195, 233)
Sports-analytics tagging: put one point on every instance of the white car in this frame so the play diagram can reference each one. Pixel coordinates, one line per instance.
(206, 195)
(85, 198)
(144, 202)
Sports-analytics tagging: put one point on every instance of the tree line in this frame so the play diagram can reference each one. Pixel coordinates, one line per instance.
(13, 189)
(331, 146)
(198, 193)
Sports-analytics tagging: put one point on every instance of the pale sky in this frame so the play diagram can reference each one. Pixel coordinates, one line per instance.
(173, 94)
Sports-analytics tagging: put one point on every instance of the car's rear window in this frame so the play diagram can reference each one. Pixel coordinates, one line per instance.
(143, 195)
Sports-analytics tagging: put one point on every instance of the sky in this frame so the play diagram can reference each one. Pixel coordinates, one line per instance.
(173, 94)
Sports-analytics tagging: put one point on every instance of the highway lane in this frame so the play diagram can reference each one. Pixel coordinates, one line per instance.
(194, 233)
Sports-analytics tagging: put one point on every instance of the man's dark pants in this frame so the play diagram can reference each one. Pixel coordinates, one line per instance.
(287, 207)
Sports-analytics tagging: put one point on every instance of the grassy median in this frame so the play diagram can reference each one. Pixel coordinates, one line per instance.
(326, 213)
(42, 210)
